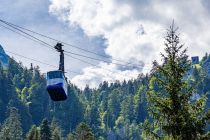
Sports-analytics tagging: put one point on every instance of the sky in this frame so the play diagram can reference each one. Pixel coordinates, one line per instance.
(130, 31)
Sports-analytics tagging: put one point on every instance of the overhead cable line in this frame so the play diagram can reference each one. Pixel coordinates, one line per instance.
(93, 64)
(74, 46)
(39, 61)
(25, 34)
(87, 62)
(50, 46)
(56, 66)
(94, 58)
(20, 34)
(29, 35)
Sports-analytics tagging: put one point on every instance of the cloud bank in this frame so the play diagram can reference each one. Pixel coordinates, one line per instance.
(133, 31)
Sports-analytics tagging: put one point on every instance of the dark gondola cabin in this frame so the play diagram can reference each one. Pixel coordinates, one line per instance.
(56, 85)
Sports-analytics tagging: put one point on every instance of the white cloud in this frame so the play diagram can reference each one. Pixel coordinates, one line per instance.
(121, 22)
(104, 72)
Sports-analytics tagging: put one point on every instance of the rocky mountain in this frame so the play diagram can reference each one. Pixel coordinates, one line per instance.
(4, 58)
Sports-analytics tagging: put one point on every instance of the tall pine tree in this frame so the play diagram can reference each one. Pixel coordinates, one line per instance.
(11, 129)
(83, 132)
(33, 134)
(45, 131)
(174, 114)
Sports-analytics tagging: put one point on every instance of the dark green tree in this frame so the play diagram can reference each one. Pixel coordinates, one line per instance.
(83, 132)
(71, 136)
(93, 114)
(45, 131)
(56, 134)
(23, 111)
(11, 129)
(33, 133)
(70, 112)
(56, 131)
(38, 99)
(130, 87)
(14, 68)
(127, 108)
(103, 86)
(87, 92)
(140, 104)
(174, 114)
(113, 107)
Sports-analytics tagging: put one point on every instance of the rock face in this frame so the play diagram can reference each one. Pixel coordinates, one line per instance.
(4, 58)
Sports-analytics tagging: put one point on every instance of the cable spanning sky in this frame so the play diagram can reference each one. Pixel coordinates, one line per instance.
(125, 30)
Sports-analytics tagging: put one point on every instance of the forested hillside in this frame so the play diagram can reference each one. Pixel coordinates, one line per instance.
(112, 111)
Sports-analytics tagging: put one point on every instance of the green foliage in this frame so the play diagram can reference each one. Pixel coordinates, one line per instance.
(56, 134)
(38, 97)
(112, 111)
(11, 129)
(127, 108)
(140, 104)
(69, 113)
(25, 89)
(33, 134)
(83, 132)
(45, 131)
(113, 107)
(174, 114)
(55, 129)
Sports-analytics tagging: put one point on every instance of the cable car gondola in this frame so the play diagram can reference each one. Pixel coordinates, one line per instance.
(56, 85)
(56, 80)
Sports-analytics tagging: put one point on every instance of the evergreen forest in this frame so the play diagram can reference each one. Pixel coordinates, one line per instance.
(171, 102)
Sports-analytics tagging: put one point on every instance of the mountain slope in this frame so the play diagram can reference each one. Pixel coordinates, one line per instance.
(4, 58)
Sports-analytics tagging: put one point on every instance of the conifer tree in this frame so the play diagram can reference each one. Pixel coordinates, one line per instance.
(175, 115)
(11, 129)
(45, 131)
(83, 132)
(56, 131)
(87, 92)
(33, 133)
(140, 104)
(71, 136)
(56, 134)
(113, 107)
